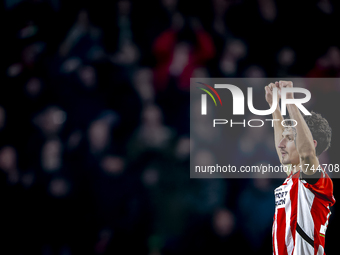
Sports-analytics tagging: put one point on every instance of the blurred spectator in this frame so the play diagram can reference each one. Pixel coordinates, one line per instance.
(220, 8)
(82, 39)
(256, 214)
(33, 87)
(267, 10)
(50, 121)
(286, 58)
(99, 136)
(51, 156)
(234, 51)
(327, 65)
(152, 134)
(325, 6)
(254, 71)
(256, 145)
(127, 52)
(29, 61)
(214, 235)
(143, 84)
(8, 164)
(122, 208)
(177, 57)
(59, 212)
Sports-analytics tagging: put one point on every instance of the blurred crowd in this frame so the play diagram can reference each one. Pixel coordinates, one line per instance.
(94, 120)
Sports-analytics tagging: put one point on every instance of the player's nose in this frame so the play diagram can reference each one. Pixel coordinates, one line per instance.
(282, 144)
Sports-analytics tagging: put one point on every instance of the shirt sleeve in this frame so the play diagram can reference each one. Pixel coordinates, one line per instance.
(321, 186)
(312, 180)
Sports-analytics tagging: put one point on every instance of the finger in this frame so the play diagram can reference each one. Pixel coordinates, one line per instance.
(281, 84)
(271, 86)
(277, 84)
(284, 84)
(268, 91)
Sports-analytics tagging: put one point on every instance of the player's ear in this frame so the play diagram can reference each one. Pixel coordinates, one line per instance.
(315, 143)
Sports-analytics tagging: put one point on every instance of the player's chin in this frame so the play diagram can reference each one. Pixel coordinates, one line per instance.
(285, 162)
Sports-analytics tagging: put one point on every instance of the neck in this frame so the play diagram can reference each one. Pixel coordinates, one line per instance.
(292, 168)
(295, 168)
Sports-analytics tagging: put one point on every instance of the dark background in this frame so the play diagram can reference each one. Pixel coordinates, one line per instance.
(94, 130)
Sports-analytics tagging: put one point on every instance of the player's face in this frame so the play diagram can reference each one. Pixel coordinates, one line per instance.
(287, 146)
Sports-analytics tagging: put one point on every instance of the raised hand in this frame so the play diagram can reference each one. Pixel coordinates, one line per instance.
(269, 93)
(286, 84)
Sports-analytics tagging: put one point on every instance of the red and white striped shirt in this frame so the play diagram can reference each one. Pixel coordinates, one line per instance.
(301, 215)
